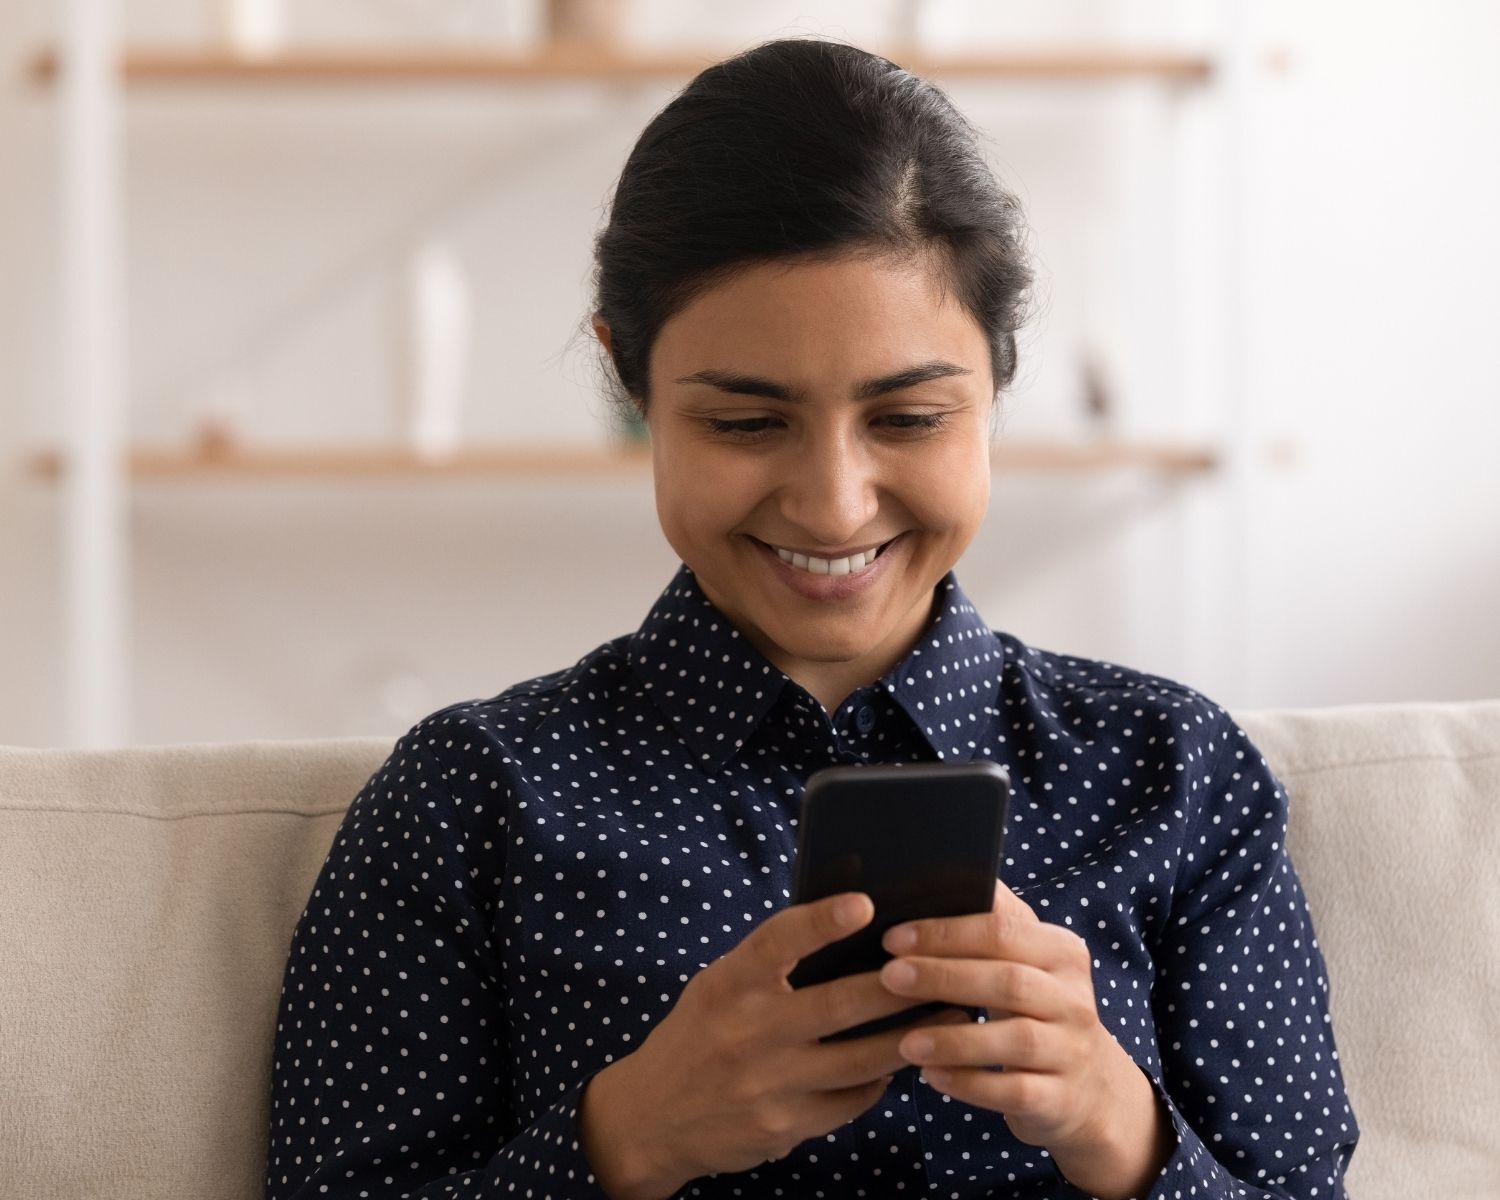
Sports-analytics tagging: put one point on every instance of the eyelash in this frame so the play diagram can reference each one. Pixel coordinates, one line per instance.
(737, 431)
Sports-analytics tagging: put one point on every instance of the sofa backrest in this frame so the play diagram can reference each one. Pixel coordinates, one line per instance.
(147, 902)
(148, 898)
(1394, 828)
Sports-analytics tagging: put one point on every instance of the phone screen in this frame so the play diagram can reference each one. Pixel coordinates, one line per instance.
(921, 839)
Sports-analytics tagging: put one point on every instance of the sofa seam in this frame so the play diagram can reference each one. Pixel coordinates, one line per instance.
(150, 816)
(1383, 762)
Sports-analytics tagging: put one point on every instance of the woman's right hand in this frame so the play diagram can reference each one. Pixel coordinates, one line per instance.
(734, 1075)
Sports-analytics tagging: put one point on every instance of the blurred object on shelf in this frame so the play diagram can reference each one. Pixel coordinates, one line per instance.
(450, 22)
(935, 25)
(252, 28)
(596, 24)
(1100, 398)
(225, 415)
(1282, 453)
(439, 309)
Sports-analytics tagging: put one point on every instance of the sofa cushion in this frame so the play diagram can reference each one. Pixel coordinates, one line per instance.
(149, 897)
(1394, 827)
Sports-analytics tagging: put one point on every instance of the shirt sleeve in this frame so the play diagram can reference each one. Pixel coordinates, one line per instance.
(391, 1065)
(1250, 1073)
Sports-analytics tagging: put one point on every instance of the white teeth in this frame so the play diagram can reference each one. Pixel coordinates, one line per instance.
(825, 566)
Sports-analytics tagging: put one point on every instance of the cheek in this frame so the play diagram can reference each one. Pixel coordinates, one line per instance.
(949, 491)
(699, 497)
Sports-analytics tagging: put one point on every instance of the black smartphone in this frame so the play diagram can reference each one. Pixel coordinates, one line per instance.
(921, 839)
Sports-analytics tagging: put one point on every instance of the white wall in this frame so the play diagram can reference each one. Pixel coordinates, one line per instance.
(1376, 311)
(267, 230)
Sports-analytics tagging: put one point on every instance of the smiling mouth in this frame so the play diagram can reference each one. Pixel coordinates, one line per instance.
(814, 565)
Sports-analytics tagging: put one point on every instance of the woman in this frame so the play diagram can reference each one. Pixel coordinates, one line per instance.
(547, 954)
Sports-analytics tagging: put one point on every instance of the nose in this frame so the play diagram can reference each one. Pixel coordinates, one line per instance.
(832, 491)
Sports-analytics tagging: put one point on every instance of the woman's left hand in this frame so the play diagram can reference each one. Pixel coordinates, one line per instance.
(1063, 1072)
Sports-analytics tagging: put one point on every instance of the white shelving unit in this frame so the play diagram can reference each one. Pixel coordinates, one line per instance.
(90, 70)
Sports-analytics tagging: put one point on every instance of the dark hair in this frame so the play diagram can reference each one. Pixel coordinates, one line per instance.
(805, 148)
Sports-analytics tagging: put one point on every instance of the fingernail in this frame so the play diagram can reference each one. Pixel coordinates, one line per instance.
(902, 937)
(849, 909)
(918, 1045)
(899, 975)
(932, 1077)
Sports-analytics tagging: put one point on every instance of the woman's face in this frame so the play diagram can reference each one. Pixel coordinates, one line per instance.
(829, 410)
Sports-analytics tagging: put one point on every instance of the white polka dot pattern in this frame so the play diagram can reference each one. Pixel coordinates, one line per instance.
(524, 887)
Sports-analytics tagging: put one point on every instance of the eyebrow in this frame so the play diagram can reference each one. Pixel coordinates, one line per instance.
(752, 385)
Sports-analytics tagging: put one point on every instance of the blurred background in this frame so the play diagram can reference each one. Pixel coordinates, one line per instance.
(300, 435)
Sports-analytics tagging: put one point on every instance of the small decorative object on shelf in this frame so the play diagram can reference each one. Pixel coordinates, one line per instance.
(1099, 396)
(437, 353)
(936, 26)
(224, 416)
(595, 24)
(252, 28)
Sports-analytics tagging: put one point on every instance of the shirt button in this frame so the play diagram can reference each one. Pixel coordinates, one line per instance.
(864, 719)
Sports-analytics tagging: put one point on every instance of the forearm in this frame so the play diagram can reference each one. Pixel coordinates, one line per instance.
(1124, 1158)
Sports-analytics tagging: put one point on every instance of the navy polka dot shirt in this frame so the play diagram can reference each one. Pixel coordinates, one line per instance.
(528, 882)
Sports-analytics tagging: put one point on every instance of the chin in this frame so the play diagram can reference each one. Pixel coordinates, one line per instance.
(822, 649)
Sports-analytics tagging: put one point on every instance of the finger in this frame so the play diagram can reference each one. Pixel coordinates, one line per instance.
(778, 943)
(1003, 932)
(1038, 1095)
(833, 1065)
(819, 1113)
(1007, 901)
(1017, 1043)
(1013, 986)
(820, 1009)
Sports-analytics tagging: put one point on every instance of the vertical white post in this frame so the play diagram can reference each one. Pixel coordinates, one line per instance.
(1241, 570)
(93, 378)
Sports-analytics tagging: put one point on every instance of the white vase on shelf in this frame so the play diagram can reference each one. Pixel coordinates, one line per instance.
(437, 353)
(252, 28)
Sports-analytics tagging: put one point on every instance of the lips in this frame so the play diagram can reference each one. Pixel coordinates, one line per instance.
(839, 581)
(838, 563)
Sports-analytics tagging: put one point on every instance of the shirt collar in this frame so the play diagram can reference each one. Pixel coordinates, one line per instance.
(716, 687)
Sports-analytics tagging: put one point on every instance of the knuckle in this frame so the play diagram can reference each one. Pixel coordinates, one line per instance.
(1083, 1011)
(836, 1005)
(773, 1128)
(1019, 987)
(1027, 1087)
(714, 993)
(760, 944)
(1028, 1037)
(1009, 922)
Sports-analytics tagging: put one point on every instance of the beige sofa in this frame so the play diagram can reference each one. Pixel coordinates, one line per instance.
(148, 896)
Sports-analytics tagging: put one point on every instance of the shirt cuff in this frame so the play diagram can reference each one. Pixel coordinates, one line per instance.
(546, 1158)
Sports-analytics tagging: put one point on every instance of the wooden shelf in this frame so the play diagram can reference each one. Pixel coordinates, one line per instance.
(314, 65)
(397, 462)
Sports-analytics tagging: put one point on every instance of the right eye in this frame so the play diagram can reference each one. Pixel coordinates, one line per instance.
(744, 429)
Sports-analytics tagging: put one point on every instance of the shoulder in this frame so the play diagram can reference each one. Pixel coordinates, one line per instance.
(1090, 696)
(512, 719)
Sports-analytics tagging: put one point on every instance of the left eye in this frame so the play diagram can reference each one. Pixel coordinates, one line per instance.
(754, 427)
(748, 425)
(915, 420)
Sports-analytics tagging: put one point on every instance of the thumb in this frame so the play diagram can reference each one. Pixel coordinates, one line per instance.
(1008, 902)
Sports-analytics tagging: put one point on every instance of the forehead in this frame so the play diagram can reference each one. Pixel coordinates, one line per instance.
(825, 317)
